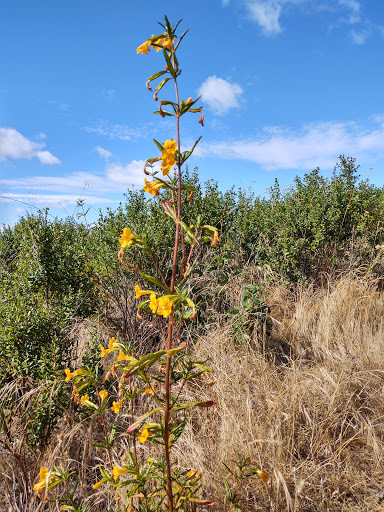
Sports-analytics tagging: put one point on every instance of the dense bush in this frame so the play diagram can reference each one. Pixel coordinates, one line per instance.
(55, 272)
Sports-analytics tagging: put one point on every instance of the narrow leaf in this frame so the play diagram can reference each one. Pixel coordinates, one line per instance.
(153, 280)
(161, 84)
(169, 64)
(138, 422)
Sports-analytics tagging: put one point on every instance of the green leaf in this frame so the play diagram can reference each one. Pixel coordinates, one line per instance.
(176, 350)
(169, 64)
(207, 403)
(142, 418)
(156, 75)
(144, 363)
(154, 280)
(163, 113)
(160, 146)
(161, 84)
(181, 38)
(186, 154)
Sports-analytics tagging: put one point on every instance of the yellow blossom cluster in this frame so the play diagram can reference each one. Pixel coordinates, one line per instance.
(70, 375)
(111, 347)
(144, 434)
(84, 400)
(44, 480)
(116, 406)
(126, 238)
(164, 42)
(116, 472)
(152, 187)
(168, 156)
(162, 306)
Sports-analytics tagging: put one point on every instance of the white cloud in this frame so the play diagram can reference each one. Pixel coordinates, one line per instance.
(115, 131)
(359, 37)
(220, 94)
(109, 93)
(351, 4)
(104, 153)
(47, 158)
(115, 178)
(15, 146)
(314, 144)
(265, 14)
(130, 174)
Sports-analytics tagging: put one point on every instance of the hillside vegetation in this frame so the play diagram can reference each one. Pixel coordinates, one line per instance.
(290, 320)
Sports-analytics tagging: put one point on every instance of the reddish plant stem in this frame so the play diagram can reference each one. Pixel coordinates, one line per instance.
(171, 319)
(133, 419)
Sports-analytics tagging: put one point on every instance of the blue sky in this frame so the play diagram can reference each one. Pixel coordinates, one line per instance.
(286, 85)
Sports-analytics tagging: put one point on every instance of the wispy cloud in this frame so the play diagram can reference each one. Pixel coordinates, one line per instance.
(220, 95)
(266, 15)
(114, 131)
(314, 144)
(354, 5)
(104, 153)
(48, 190)
(359, 37)
(13, 145)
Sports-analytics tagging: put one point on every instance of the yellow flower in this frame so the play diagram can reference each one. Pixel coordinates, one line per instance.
(84, 400)
(143, 436)
(149, 391)
(70, 375)
(140, 293)
(97, 484)
(192, 473)
(189, 100)
(103, 394)
(167, 43)
(121, 356)
(164, 306)
(125, 357)
(263, 475)
(126, 238)
(116, 472)
(167, 165)
(44, 480)
(116, 406)
(144, 48)
(153, 303)
(113, 343)
(104, 351)
(152, 187)
(170, 145)
(168, 156)
(157, 48)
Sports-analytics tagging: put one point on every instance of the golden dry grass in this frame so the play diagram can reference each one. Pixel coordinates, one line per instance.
(306, 405)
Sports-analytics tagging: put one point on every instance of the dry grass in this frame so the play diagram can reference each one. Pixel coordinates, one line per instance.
(306, 405)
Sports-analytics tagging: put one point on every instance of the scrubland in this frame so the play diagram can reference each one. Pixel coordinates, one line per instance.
(290, 322)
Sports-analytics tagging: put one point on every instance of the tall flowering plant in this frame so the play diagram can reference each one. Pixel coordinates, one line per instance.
(154, 484)
(170, 299)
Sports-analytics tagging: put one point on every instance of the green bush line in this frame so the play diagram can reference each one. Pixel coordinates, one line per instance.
(53, 271)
